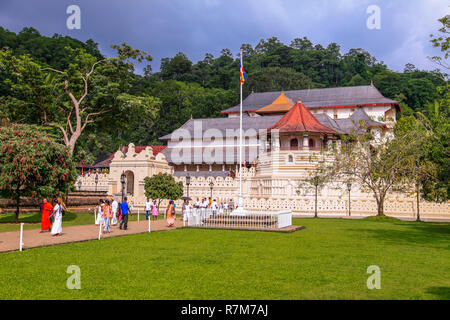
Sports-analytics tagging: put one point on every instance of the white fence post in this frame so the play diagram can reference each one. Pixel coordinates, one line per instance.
(149, 219)
(21, 237)
(100, 230)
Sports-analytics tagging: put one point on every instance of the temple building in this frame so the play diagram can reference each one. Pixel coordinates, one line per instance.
(282, 131)
(210, 147)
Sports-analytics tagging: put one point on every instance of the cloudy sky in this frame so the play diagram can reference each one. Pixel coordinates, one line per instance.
(165, 27)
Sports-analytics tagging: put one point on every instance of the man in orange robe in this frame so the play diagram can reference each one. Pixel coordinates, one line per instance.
(46, 209)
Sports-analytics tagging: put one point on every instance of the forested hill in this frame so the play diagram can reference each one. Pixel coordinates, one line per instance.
(204, 88)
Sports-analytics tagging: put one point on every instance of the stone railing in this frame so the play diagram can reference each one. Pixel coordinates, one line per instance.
(88, 182)
(396, 206)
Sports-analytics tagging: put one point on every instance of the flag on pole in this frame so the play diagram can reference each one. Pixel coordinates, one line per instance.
(243, 74)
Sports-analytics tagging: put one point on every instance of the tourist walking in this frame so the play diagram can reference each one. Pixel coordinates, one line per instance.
(114, 208)
(99, 217)
(124, 208)
(170, 214)
(57, 215)
(154, 210)
(107, 215)
(46, 211)
(186, 211)
(148, 208)
(183, 209)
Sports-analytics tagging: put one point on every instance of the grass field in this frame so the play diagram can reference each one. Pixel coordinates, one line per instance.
(327, 260)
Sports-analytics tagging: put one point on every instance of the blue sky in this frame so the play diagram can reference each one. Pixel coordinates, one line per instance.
(195, 27)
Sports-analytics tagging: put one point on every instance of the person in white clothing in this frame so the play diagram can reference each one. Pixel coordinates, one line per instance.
(148, 208)
(198, 204)
(99, 218)
(57, 216)
(214, 207)
(114, 207)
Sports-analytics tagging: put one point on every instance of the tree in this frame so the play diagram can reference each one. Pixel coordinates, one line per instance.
(79, 95)
(162, 186)
(316, 179)
(442, 41)
(419, 170)
(379, 166)
(33, 165)
(276, 79)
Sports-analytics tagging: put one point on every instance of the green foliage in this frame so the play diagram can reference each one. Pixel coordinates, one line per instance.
(130, 103)
(442, 41)
(180, 100)
(162, 186)
(276, 79)
(317, 178)
(33, 165)
(377, 166)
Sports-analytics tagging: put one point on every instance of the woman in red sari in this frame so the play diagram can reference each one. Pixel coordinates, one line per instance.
(46, 209)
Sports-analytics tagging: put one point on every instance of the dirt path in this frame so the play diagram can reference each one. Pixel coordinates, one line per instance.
(9, 241)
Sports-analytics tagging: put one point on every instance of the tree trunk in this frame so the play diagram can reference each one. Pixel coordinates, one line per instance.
(418, 198)
(315, 205)
(380, 205)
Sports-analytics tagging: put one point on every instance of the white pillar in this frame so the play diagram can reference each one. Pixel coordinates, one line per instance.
(305, 141)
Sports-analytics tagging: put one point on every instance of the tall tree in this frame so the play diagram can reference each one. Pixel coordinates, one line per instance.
(33, 165)
(81, 94)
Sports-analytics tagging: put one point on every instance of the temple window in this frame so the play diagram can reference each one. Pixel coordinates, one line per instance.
(311, 143)
(294, 143)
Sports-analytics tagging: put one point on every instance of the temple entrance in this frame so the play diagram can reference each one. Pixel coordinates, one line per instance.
(294, 143)
(311, 143)
(129, 188)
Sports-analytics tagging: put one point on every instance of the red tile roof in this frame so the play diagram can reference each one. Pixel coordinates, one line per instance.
(156, 149)
(299, 119)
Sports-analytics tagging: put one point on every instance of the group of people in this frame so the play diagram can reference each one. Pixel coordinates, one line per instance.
(151, 211)
(221, 208)
(51, 216)
(111, 213)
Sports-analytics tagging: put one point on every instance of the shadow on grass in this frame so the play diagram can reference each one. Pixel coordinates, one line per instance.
(424, 233)
(440, 292)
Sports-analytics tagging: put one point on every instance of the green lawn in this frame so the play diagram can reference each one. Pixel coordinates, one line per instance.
(327, 260)
(33, 220)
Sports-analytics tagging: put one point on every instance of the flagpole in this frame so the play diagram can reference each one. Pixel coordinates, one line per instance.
(240, 199)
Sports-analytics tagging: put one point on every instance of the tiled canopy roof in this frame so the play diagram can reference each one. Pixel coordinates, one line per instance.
(298, 119)
(282, 104)
(318, 98)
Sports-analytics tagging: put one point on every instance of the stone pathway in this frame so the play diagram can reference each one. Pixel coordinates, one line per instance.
(9, 241)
